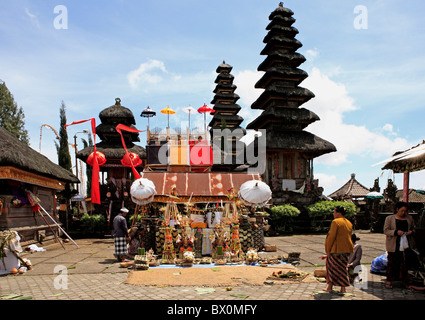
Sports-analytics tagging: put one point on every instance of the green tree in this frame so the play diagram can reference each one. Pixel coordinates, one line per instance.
(11, 116)
(64, 157)
(282, 217)
(326, 209)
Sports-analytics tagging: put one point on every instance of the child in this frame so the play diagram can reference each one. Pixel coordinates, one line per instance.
(355, 257)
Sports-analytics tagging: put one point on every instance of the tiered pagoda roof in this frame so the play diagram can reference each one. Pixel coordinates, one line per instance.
(225, 99)
(282, 117)
(111, 144)
(226, 117)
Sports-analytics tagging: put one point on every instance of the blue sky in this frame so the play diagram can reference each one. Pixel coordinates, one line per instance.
(369, 83)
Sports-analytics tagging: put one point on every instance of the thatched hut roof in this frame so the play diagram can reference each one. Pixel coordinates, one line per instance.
(350, 190)
(414, 197)
(409, 160)
(14, 153)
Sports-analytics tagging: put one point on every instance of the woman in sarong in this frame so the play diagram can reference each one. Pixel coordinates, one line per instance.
(338, 247)
(400, 255)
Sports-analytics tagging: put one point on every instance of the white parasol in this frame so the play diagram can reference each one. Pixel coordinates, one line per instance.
(255, 193)
(374, 195)
(142, 191)
(190, 110)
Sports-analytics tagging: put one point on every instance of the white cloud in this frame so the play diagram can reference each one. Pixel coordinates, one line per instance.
(148, 72)
(331, 104)
(326, 181)
(388, 127)
(245, 82)
(311, 54)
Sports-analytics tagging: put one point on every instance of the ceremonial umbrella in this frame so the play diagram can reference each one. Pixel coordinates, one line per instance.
(374, 195)
(190, 110)
(142, 191)
(148, 113)
(204, 109)
(168, 111)
(255, 193)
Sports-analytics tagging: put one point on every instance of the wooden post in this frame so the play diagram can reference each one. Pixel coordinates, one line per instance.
(406, 187)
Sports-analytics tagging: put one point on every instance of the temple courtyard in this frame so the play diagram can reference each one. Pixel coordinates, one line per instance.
(90, 272)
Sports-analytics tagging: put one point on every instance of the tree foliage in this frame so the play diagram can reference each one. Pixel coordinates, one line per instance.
(282, 217)
(285, 210)
(11, 116)
(64, 157)
(326, 209)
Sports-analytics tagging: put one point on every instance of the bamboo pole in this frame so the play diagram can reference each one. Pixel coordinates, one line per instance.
(58, 226)
(57, 239)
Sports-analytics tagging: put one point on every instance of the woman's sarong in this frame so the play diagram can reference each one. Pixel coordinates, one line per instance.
(336, 267)
(397, 267)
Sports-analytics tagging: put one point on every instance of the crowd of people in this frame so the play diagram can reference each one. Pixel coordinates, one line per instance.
(343, 253)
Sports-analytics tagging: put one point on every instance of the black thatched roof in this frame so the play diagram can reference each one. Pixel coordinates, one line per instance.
(294, 117)
(286, 21)
(277, 30)
(224, 77)
(281, 41)
(283, 93)
(17, 154)
(281, 11)
(111, 151)
(224, 68)
(225, 86)
(298, 140)
(282, 58)
(109, 132)
(222, 96)
(117, 113)
(415, 161)
(216, 121)
(294, 75)
(234, 108)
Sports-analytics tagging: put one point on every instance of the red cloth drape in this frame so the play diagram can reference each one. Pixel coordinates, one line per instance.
(125, 128)
(95, 189)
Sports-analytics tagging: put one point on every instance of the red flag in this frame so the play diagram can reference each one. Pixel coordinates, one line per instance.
(95, 189)
(125, 128)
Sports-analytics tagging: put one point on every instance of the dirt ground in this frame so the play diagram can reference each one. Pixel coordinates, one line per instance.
(220, 276)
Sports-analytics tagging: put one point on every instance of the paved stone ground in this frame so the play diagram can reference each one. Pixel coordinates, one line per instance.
(93, 274)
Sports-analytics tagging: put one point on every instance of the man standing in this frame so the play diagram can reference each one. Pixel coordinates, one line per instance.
(121, 236)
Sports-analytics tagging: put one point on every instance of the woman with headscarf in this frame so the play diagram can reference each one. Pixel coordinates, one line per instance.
(338, 247)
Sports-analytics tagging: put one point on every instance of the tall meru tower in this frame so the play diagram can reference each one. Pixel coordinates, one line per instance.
(290, 149)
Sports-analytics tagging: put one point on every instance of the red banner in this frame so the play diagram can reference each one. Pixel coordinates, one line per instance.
(95, 189)
(125, 128)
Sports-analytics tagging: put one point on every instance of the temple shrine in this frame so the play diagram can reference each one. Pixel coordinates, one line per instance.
(290, 149)
(196, 177)
(225, 125)
(115, 171)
